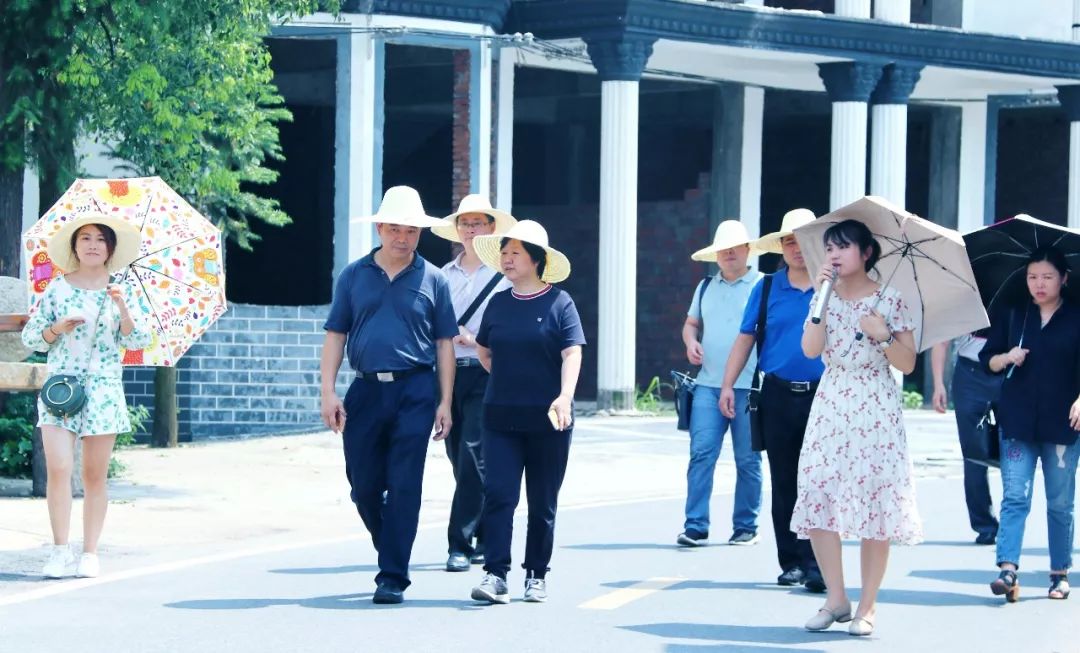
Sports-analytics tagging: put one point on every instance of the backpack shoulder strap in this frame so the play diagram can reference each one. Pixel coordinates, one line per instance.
(763, 307)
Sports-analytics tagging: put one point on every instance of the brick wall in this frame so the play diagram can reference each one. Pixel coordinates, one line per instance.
(460, 181)
(256, 371)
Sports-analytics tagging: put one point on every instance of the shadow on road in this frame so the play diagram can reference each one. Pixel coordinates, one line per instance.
(730, 633)
(625, 546)
(339, 602)
(733, 648)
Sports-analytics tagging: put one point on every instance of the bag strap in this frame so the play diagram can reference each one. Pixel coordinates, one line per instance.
(467, 315)
(701, 309)
(759, 332)
(93, 332)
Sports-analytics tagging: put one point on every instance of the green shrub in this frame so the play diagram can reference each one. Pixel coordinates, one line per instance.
(913, 399)
(651, 399)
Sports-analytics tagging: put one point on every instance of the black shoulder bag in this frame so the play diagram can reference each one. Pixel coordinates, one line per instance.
(683, 382)
(753, 405)
(987, 432)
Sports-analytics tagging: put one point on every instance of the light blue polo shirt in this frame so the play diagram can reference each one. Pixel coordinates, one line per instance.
(721, 313)
(788, 307)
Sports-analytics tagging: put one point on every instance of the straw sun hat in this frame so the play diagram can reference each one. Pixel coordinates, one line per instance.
(401, 205)
(488, 249)
(729, 233)
(127, 242)
(792, 220)
(473, 204)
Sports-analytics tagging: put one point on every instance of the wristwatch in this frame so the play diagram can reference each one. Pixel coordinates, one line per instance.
(890, 340)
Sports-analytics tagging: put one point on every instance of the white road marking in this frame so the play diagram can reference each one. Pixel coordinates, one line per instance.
(624, 595)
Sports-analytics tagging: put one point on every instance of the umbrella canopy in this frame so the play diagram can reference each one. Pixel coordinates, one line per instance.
(177, 278)
(926, 262)
(999, 255)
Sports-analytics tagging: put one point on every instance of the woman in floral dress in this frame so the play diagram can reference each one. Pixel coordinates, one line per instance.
(72, 305)
(854, 468)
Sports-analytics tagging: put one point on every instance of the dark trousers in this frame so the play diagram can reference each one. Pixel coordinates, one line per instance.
(542, 456)
(783, 420)
(464, 448)
(973, 388)
(387, 428)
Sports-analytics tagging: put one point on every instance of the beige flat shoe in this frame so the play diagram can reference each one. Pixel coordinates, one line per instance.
(826, 617)
(861, 627)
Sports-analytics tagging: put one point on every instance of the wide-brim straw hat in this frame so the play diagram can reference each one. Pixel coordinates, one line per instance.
(488, 248)
(793, 219)
(473, 204)
(729, 233)
(401, 205)
(125, 252)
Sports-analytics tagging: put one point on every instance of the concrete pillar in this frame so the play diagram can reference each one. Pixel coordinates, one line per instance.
(894, 11)
(853, 8)
(619, 62)
(971, 213)
(888, 159)
(735, 181)
(1069, 96)
(358, 132)
(480, 123)
(849, 85)
(753, 127)
(504, 155)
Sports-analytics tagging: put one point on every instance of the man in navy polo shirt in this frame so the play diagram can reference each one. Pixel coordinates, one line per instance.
(787, 391)
(393, 314)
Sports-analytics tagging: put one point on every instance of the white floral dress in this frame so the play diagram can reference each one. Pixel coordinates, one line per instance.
(855, 475)
(101, 373)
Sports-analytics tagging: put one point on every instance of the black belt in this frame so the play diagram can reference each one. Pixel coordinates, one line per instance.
(388, 377)
(797, 387)
(468, 362)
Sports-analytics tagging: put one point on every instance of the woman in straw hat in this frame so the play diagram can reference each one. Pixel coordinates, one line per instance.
(83, 322)
(530, 341)
(471, 286)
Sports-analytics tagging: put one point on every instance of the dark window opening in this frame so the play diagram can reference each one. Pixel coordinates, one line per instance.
(1033, 180)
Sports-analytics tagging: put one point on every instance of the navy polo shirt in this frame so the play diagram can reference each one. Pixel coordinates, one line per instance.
(391, 325)
(788, 307)
(1035, 399)
(526, 337)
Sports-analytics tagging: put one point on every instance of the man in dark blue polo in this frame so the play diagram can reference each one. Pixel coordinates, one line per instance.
(787, 389)
(393, 314)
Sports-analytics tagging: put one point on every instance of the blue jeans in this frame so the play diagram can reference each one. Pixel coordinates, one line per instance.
(972, 389)
(707, 428)
(1018, 478)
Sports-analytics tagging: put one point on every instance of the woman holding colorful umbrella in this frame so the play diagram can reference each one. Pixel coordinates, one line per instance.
(82, 320)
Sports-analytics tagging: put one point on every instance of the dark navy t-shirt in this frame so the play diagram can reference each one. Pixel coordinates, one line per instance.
(526, 338)
(391, 325)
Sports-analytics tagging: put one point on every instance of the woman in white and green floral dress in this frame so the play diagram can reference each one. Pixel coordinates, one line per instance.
(72, 305)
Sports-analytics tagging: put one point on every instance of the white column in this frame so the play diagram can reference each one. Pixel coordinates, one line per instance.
(617, 333)
(895, 11)
(888, 154)
(847, 181)
(1074, 175)
(358, 145)
(504, 157)
(972, 193)
(750, 182)
(853, 8)
(31, 209)
(480, 124)
(1076, 20)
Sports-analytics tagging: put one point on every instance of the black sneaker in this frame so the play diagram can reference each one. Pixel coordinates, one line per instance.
(791, 577)
(457, 562)
(478, 558)
(386, 594)
(491, 589)
(986, 539)
(814, 582)
(743, 538)
(690, 537)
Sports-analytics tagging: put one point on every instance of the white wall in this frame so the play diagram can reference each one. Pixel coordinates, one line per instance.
(1040, 19)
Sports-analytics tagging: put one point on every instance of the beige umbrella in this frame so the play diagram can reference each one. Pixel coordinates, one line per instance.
(926, 262)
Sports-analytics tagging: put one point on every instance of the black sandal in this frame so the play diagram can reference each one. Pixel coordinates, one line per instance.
(1059, 584)
(1007, 584)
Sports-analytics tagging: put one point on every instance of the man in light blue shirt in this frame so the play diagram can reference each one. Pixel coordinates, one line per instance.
(711, 327)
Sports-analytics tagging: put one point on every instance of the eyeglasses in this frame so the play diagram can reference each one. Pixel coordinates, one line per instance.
(473, 225)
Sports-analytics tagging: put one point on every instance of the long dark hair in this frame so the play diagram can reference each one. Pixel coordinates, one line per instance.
(537, 253)
(853, 232)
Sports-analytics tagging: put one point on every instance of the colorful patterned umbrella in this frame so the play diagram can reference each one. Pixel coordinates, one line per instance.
(178, 281)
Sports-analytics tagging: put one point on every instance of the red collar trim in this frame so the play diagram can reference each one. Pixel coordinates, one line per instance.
(538, 293)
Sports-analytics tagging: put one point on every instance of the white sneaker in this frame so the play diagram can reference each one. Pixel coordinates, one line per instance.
(60, 561)
(89, 567)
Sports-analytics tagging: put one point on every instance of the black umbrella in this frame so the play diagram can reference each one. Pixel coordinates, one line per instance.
(999, 255)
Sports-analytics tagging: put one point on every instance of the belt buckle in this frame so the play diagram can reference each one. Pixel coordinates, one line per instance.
(384, 377)
(800, 386)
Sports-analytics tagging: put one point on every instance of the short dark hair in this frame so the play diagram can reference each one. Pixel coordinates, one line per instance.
(106, 232)
(537, 253)
(853, 232)
(1051, 255)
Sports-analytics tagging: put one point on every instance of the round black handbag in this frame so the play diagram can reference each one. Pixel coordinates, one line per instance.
(63, 395)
